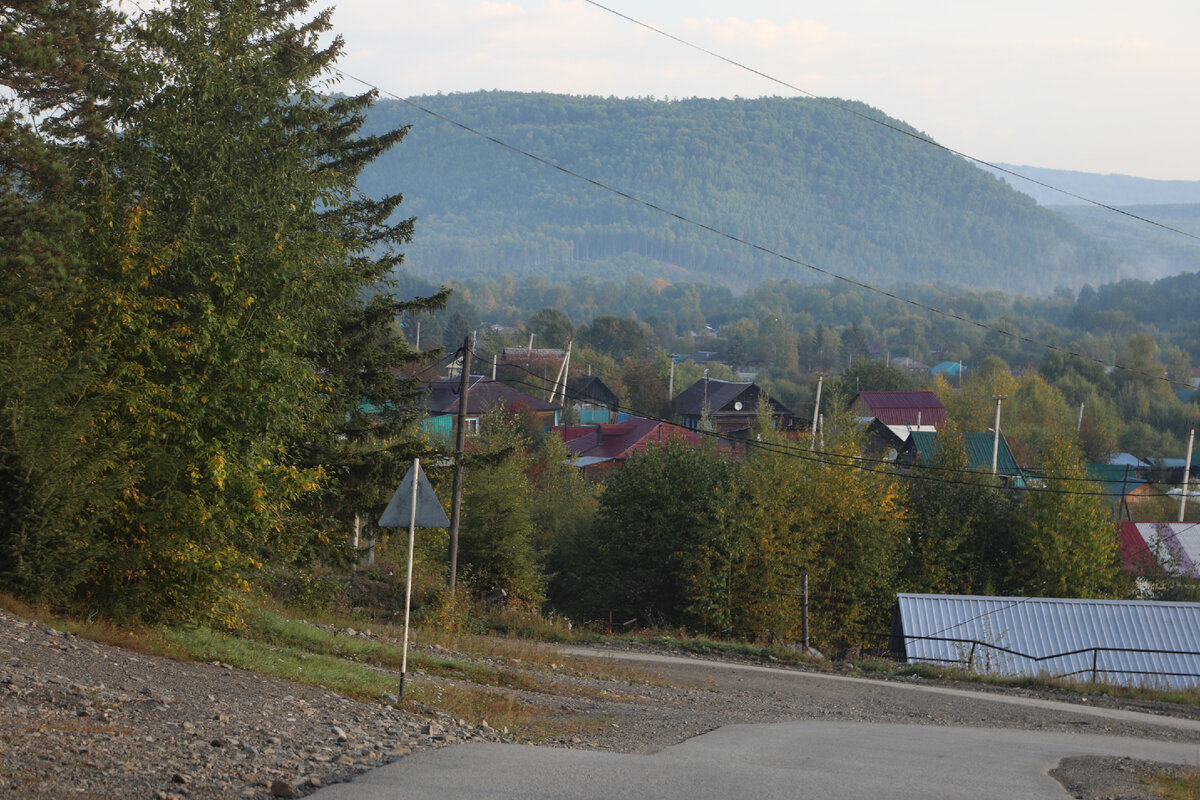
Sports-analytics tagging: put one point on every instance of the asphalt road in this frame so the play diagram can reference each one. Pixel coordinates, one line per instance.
(781, 760)
(807, 759)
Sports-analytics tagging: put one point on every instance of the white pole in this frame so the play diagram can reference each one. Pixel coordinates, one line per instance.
(1187, 473)
(1079, 422)
(562, 393)
(495, 356)
(816, 411)
(671, 382)
(996, 437)
(412, 538)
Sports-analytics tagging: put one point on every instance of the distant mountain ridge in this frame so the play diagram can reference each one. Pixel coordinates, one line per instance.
(799, 177)
(1155, 251)
(1111, 190)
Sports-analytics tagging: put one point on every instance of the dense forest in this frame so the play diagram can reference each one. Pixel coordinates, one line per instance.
(816, 181)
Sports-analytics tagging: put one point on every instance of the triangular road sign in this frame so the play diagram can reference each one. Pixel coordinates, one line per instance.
(429, 510)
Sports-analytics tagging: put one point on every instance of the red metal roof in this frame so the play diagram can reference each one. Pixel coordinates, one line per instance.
(901, 408)
(620, 440)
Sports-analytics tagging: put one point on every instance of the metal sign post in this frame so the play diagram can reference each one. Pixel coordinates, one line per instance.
(413, 504)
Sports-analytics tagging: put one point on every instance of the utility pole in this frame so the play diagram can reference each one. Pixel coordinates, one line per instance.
(817, 410)
(1079, 422)
(1187, 473)
(559, 392)
(996, 436)
(460, 444)
(671, 382)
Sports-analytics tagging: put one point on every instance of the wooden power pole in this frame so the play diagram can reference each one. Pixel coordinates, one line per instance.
(460, 443)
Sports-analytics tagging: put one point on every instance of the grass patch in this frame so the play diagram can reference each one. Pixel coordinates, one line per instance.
(334, 671)
(704, 645)
(1176, 787)
(1190, 697)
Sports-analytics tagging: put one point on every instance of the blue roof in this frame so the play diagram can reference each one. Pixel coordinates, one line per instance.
(947, 367)
(1127, 458)
(1040, 627)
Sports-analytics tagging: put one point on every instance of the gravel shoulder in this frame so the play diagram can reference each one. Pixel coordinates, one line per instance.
(82, 719)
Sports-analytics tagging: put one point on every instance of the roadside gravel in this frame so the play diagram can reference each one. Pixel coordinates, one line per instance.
(81, 719)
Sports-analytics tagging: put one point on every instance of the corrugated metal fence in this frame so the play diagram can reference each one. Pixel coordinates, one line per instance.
(1127, 643)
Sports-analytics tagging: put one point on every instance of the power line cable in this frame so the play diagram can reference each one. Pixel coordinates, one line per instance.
(839, 460)
(747, 243)
(761, 248)
(883, 123)
(737, 239)
(805, 452)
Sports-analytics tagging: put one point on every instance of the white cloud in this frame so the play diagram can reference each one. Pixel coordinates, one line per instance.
(760, 32)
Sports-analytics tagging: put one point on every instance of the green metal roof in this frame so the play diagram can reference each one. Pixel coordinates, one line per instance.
(978, 447)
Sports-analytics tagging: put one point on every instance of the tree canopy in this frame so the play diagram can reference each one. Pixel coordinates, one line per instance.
(215, 315)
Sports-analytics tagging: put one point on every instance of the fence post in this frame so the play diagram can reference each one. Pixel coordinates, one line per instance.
(804, 610)
(971, 657)
(1095, 656)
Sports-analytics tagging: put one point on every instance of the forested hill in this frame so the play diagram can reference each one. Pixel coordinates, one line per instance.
(801, 177)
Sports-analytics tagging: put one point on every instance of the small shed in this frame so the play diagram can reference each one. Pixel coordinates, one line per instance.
(1123, 485)
(953, 370)
(1122, 642)
(888, 440)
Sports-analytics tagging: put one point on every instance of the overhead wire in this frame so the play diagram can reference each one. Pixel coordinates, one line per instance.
(824, 457)
(758, 247)
(884, 123)
(797, 452)
(740, 240)
(861, 463)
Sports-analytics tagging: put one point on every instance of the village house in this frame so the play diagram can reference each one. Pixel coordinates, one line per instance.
(440, 400)
(729, 406)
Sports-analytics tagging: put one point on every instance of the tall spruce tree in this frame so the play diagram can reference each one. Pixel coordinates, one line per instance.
(58, 472)
(235, 282)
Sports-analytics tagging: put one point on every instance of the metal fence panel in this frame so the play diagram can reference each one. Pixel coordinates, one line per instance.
(1121, 642)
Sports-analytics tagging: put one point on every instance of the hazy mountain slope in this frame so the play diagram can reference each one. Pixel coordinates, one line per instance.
(1112, 190)
(800, 177)
(1158, 253)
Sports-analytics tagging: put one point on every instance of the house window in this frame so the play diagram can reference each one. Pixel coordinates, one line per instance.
(472, 426)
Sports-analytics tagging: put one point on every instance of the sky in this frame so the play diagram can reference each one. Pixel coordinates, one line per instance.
(1097, 86)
